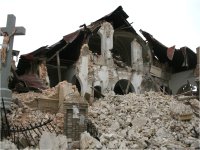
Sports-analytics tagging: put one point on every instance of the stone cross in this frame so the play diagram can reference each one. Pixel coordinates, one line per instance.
(5, 93)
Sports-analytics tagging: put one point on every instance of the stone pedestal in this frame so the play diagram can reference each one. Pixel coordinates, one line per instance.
(6, 95)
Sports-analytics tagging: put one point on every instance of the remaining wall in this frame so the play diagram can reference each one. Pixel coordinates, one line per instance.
(179, 79)
(101, 71)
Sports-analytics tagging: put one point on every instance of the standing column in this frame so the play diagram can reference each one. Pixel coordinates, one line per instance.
(198, 55)
(106, 33)
(83, 68)
(197, 70)
(136, 56)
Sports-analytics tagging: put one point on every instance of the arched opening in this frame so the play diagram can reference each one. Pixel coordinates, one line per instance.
(76, 82)
(121, 86)
(97, 92)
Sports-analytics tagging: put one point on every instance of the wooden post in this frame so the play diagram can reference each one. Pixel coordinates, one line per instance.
(58, 66)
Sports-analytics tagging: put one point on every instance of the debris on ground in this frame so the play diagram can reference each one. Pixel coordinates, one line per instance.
(134, 121)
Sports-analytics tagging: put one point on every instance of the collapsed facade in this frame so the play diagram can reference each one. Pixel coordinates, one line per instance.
(109, 55)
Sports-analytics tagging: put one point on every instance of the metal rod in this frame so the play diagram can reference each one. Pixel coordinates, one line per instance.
(33, 129)
(17, 139)
(38, 129)
(31, 136)
(14, 135)
(37, 125)
(48, 128)
(6, 117)
(52, 126)
(41, 125)
(2, 126)
(26, 136)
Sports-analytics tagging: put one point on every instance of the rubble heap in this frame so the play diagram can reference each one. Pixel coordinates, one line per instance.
(24, 117)
(150, 120)
(25, 114)
(134, 121)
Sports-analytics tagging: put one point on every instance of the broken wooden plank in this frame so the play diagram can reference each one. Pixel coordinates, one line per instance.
(98, 92)
(187, 98)
(58, 65)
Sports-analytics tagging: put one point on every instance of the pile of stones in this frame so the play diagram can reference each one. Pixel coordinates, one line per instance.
(145, 121)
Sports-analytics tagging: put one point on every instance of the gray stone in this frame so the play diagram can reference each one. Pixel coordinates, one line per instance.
(6, 94)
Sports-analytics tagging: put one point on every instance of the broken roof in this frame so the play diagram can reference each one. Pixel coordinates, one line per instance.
(180, 57)
(73, 41)
(69, 46)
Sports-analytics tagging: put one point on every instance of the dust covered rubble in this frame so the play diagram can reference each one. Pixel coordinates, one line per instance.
(22, 115)
(144, 121)
(7, 145)
(150, 120)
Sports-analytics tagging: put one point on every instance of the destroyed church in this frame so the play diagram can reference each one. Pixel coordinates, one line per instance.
(103, 87)
(109, 55)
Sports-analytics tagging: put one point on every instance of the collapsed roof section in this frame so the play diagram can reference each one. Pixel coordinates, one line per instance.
(71, 41)
(182, 59)
(69, 47)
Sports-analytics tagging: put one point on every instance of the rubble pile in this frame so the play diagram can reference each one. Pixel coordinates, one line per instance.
(52, 141)
(150, 120)
(47, 93)
(24, 117)
(134, 121)
(7, 145)
(23, 114)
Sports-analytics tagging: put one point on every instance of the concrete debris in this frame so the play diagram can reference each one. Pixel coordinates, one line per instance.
(181, 111)
(53, 92)
(26, 115)
(88, 142)
(51, 141)
(139, 121)
(7, 145)
(25, 112)
(134, 121)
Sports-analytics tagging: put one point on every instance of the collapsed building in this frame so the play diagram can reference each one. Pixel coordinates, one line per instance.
(106, 60)
(109, 55)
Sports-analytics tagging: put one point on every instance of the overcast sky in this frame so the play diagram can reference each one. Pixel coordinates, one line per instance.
(172, 22)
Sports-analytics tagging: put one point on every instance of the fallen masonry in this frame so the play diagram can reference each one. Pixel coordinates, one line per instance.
(134, 121)
(100, 59)
(150, 120)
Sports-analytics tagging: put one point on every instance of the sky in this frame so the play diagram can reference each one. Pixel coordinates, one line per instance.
(172, 22)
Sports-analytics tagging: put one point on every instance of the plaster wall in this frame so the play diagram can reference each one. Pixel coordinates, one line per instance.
(179, 79)
(83, 74)
(136, 81)
(102, 71)
(103, 76)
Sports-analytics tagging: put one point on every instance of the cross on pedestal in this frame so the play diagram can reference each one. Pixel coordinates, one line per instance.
(5, 93)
